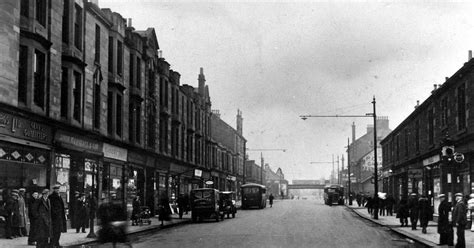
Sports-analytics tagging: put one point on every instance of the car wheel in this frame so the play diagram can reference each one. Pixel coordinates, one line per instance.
(233, 215)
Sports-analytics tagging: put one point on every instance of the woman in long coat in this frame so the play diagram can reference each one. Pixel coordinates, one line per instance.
(43, 221)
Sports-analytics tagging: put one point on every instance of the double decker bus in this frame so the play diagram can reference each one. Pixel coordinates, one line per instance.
(253, 195)
(334, 194)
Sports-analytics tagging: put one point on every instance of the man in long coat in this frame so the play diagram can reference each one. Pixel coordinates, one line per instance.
(57, 216)
(425, 213)
(445, 229)
(32, 208)
(16, 220)
(43, 217)
(80, 214)
(22, 210)
(460, 220)
(413, 206)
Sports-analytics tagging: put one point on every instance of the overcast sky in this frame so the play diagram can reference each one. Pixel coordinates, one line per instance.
(278, 60)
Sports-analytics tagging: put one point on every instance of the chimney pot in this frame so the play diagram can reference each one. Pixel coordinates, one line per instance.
(435, 86)
(129, 22)
(470, 55)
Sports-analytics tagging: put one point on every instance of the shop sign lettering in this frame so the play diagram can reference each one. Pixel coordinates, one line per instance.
(88, 145)
(114, 152)
(23, 128)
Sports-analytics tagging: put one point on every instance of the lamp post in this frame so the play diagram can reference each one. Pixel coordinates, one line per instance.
(261, 159)
(374, 116)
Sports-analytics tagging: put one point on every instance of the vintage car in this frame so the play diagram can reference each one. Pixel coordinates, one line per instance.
(227, 203)
(205, 204)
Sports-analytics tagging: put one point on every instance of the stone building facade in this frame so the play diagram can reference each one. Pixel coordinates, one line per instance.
(88, 102)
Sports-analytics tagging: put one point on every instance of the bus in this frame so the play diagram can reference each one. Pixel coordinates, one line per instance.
(334, 194)
(253, 195)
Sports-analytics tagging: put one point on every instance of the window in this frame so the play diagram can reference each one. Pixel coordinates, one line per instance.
(41, 12)
(131, 70)
(151, 126)
(461, 107)
(97, 43)
(64, 92)
(431, 126)
(417, 135)
(22, 75)
(131, 121)
(406, 142)
(119, 58)
(151, 83)
(78, 27)
(111, 54)
(138, 110)
(65, 23)
(139, 72)
(110, 108)
(39, 78)
(97, 103)
(118, 120)
(444, 112)
(25, 8)
(77, 96)
(398, 147)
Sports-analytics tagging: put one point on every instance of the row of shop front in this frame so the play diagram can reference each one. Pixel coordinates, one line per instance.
(431, 176)
(34, 155)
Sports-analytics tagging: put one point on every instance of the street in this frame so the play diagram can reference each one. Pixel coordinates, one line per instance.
(290, 223)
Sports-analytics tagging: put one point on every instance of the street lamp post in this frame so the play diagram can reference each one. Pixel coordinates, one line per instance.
(374, 116)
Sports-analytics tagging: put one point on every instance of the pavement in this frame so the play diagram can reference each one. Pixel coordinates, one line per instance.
(73, 239)
(430, 239)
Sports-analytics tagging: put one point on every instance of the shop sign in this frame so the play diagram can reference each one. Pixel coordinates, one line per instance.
(197, 172)
(80, 143)
(23, 128)
(231, 178)
(114, 152)
(431, 160)
(415, 173)
(137, 158)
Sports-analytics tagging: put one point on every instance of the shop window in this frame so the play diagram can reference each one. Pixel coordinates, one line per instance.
(78, 27)
(39, 78)
(41, 12)
(65, 24)
(22, 75)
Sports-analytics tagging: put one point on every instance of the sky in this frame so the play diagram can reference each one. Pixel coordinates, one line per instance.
(277, 60)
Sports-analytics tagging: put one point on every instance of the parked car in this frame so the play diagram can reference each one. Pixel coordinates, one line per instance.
(227, 203)
(205, 204)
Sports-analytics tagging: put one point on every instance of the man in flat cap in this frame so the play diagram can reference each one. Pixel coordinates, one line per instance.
(58, 216)
(445, 229)
(460, 220)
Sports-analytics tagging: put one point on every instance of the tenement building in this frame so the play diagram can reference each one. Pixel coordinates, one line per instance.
(415, 152)
(89, 103)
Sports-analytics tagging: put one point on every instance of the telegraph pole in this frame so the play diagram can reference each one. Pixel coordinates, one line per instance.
(349, 171)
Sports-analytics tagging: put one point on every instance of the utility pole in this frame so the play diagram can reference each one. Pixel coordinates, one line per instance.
(333, 174)
(349, 171)
(342, 170)
(374, 116)
(338, 171)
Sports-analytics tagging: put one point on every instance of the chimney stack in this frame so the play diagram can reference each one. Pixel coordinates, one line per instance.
(239, 122)
(470, 55)
(96, 2)
(129, 22)
(201, 81)
(353, 132)
(417, 104)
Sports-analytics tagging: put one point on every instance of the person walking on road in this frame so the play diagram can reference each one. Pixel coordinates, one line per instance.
(270, 198)
(460, 220)
(424, 212)
(445, 229)
(181, 205)
(57, 216)
(413, 206)
(403, 212)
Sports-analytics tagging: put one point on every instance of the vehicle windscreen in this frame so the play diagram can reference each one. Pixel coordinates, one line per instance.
(202, 195)
(251, 191)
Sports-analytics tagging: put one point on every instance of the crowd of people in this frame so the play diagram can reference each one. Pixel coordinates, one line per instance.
(418, 209)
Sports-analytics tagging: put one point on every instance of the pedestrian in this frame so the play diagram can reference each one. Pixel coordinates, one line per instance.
(186, 203)
(460, 220)
(113, 222)
(164, 210)
(91, 203)
(413, 206)
(445, 229)
(80, 214)
(358, 199)
(22, 211)
(181, 205)
(389, 202)
(135, 210)
(382, 204)
(16, 219)
(403, 212)
(72, 208)
(270, 198)
(44, 222)
(369, 205)
(470, 207)
(32, 206)
(424, 212)
(57, 216)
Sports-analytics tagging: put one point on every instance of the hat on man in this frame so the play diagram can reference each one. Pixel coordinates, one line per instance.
(45, 191)
(76, 193)
(56, 186)
(413, 194)
(441, 196)
(15, 191)
(22, 189)
(458, 194)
